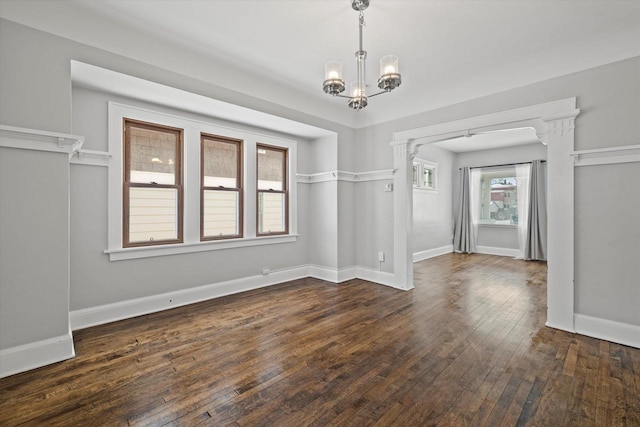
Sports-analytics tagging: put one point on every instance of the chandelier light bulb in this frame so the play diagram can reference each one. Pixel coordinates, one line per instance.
(388, 65)
(356, 90)
(389, 76)
(333, 83)
(358, 99)
(333, 70)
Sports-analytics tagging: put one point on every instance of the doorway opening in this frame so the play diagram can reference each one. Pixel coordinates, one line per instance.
(554, 124)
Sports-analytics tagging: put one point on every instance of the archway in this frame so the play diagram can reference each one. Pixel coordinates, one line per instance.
(554, 125)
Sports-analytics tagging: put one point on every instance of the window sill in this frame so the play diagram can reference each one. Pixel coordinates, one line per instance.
(498, 225)
(426, 190)
(185, 248)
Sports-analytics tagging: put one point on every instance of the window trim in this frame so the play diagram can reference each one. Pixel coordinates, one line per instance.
(285, 191)
(495, 172)
(239, 189)
(127, 184)
(191, 170)
(415, 174)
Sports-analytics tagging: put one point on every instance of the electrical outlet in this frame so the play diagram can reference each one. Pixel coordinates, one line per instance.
(388, 187)
(266, 271)
(381, 256)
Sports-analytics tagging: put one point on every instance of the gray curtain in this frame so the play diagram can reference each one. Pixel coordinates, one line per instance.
(464, 239)
(535, 247)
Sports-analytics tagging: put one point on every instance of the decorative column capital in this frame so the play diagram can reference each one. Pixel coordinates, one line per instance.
(405, 149)
(559, 124)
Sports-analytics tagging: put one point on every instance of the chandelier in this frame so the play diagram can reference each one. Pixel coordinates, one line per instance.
(389, 77)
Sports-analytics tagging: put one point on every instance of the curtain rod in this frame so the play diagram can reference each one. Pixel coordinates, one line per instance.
(505, 164)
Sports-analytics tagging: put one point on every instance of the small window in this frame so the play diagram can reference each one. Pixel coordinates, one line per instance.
(425, 175)
(498, 198)
(152, 185)
(221, 187)
(273, 196)
(428, 177)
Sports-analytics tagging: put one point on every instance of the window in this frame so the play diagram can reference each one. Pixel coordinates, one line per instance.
(425, 175)
(272, 190)
(428, 177)
(221, 187)
(498, 198)
(152, 185)
(179, 186)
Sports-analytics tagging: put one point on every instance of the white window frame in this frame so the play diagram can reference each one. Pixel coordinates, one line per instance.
(422, 165)
(191, 170)
(416, 174)
(494, 172)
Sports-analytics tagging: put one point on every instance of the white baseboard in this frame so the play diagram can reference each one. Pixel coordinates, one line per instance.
(330, 274)
(490, 250)
(35, 355)
(431, 253)
(347, 273)
(323, 273)
(609, 330)
(377, 276)
(102, 314)
(335, 275)
(99, 315)
(566, 328)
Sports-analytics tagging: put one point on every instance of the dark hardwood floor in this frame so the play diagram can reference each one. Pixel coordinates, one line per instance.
(467, 346)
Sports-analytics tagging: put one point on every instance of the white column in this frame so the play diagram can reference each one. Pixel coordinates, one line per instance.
(560, 212)
(403, 156)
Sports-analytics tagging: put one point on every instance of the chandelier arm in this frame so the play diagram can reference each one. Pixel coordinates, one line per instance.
(379, 93)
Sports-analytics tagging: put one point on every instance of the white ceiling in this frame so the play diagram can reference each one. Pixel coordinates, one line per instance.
(450, 51)
(490, 140)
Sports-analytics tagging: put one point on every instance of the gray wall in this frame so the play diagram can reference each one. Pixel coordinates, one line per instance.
(323, 203)
(323, 222)
(346, 224)
(374, 225)
(607, 227)
(609, 99)
(34, 248)
(432, 211)
(347, 217)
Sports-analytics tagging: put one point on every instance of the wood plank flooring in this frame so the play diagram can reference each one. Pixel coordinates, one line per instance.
(467, 346)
